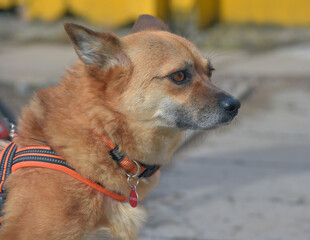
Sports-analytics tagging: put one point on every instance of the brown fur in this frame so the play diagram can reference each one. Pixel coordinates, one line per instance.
(114, 91)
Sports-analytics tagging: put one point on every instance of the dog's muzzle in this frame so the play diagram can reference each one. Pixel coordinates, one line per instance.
(229, 106)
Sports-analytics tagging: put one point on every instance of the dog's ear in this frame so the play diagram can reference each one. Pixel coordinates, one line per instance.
(148, 22)
(93, 48)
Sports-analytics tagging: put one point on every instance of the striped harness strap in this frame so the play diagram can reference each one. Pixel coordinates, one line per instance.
(13, 158)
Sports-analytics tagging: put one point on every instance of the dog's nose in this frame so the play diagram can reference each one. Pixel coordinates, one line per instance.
(228, 103)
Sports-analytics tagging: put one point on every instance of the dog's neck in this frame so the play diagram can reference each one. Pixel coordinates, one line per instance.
(151, 145)
(138, 140)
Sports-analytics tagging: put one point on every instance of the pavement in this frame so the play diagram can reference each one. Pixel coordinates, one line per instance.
(249, 180)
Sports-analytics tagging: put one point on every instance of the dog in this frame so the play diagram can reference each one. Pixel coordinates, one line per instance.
(140, 93)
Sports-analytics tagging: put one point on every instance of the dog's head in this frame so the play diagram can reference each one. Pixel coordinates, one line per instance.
(154, 76)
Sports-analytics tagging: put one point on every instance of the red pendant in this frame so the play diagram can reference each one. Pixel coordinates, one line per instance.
(133, 198)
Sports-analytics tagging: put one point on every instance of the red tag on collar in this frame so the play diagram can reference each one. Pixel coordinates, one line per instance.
(133, 197)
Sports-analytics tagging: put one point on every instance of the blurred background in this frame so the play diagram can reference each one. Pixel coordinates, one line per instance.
(249, 180)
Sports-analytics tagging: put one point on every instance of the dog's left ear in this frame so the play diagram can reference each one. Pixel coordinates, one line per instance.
(148, 22)
(96, 49)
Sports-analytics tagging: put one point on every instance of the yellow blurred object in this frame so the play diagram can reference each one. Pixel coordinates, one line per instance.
(115, 13)
(6, 4)
(47, 10)
(183, 6)
(208, 12)
(98, 12)
(104, 12)
(277, 12)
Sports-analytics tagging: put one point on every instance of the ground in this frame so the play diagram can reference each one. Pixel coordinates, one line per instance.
(249, 180)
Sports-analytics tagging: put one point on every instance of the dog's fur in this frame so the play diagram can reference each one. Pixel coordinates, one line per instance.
(121, 88)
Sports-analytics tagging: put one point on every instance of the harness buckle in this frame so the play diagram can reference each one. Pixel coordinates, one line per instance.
(12, 130)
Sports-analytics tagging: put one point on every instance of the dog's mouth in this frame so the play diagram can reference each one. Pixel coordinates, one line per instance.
(206, 121)
(227, 117)
(207, 117)
(226, 110)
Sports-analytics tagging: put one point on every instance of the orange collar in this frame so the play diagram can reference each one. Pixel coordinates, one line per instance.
(134, 170)
(123, 161)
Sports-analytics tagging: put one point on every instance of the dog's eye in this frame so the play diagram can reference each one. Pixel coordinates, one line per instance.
(179, 77)
(211, 69)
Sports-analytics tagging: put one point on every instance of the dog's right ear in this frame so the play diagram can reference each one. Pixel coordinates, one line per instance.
(148, 22)
(97, 49)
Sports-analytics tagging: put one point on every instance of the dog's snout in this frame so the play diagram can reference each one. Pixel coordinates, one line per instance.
(228, 103)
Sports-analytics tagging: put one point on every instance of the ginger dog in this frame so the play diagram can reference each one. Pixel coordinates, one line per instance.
(141, 92)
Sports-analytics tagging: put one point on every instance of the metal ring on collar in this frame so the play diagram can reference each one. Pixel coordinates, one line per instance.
(133, 185)
(138, 171)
